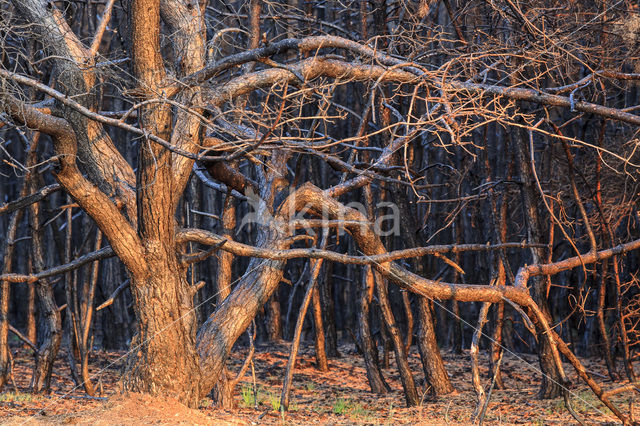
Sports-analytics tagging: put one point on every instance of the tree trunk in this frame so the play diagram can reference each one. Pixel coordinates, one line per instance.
(406, 377)
(434, 371)
(273, 319)
(223, 390)
(321, 353)
(325, 288)
(367, 344)
(52, 329)
(217, 335)
(5, 296)
(166, 362)
(550, 387)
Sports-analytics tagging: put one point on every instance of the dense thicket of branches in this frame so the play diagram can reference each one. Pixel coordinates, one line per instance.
(176, 170)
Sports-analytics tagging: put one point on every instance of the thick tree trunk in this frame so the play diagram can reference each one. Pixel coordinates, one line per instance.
(165, 362)
(217, 335)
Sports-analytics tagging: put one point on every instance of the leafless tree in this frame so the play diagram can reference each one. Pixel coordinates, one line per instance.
(294, 112)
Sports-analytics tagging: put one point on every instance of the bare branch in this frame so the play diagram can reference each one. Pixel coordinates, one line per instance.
(103, 253)
(29, 199)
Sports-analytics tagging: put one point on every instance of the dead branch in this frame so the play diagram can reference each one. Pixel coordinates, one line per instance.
(29, 199)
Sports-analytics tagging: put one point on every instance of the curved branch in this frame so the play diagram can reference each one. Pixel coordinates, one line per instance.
(239, 249)
(75, 74)
(91, 199)
(538, 269)
(306, 44)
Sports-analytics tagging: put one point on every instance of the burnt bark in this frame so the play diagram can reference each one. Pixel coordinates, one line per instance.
(367, 343)
(51, 329)
(551, 382)
(406, 376)
(166, 362)
(432, 364)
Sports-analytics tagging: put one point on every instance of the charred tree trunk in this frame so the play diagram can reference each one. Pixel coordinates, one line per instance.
(550, 387)
(5, 293)
(325, 288)
(321, 353)
(432, 364)
(410, 392)
(52, 325)
(32, 334)
(367, 343)
(273, 320)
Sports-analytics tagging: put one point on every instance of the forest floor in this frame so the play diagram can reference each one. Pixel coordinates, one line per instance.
(340, 396)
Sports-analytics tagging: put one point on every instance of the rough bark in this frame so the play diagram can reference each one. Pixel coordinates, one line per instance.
(51, 331)
(410, 392)
(223, 391)
(550, 387)
(165, 362)
(432, 364)
(319, 337)
(5, 295)
(367, 343)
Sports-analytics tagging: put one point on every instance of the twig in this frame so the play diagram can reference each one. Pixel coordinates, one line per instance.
(115, 294)
(106, 17)
(496, 369)
(23, 338)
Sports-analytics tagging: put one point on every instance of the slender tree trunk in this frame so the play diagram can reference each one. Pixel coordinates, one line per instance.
(473, 351)
(316, 265)
(367, 343)
(432, 364)
(456, 338)
(31, 308)
(550, 387)
(321, 353)
(410, 392)
(223, 390)
(406, 303)
(273, 318)
(5, 293)
(52, 326)
(326, 296)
